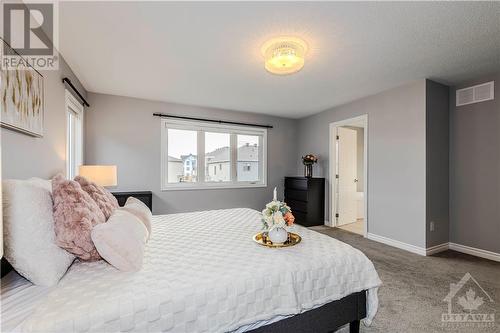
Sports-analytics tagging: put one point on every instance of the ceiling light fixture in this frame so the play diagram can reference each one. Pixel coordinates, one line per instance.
(284, 55)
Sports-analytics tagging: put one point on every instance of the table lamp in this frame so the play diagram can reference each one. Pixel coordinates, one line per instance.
(103, 175)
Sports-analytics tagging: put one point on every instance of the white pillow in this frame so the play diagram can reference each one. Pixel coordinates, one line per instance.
(139, 209)
(29, 238)
(121, 240)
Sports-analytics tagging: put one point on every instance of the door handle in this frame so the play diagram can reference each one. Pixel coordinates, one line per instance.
(356, 180)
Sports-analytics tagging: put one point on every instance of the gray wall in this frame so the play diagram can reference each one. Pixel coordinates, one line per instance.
(396, 158)
(474, 170)
(437, 148)
(122, 131)
(24, 156)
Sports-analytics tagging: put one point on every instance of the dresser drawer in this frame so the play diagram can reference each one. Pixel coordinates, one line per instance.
(300, 206)
(295, 195)
(306, 198)
(295, 183)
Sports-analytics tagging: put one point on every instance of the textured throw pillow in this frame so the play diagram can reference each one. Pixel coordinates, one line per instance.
(75, 214)
(103, 198)
(139, 209)
(29, 238)
(121, 240)
(44, 183)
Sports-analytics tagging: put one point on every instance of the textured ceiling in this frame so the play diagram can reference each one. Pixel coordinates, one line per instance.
(208, 54)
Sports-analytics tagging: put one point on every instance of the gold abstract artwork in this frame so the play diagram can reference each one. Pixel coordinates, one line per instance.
(21, 99)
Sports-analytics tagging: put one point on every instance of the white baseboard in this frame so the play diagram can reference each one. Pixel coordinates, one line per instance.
(475, 251)
(400, 245)
(437, 248)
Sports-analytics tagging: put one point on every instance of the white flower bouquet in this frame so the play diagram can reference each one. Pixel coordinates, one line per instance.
(277, 214)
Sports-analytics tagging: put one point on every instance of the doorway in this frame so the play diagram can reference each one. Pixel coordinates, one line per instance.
(348, 172)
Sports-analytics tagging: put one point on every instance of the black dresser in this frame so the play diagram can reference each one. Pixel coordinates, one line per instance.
(144, 196)
(306, 198)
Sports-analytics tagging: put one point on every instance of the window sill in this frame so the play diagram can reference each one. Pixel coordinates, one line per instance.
(210, 187)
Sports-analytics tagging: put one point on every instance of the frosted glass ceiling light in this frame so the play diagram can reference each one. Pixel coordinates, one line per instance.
(284, 55)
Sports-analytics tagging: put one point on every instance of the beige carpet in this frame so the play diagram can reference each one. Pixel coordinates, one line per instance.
(411, 298)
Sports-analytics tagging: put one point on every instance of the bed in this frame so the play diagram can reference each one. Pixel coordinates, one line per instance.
(203, 273)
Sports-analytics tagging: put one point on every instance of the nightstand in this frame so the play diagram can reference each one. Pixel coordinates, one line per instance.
(144, 196)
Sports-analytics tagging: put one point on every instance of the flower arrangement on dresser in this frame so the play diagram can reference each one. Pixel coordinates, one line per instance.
(308, 162)
(275, 218)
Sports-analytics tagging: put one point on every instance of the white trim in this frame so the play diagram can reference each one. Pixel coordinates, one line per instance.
(210, 186)
(233, 156)
(74, 134)
(475, 251)
(436, 249)
(332, 171)
(164, 154)
(73, 103)
(202, 127)
(400, 245)
(200, 162)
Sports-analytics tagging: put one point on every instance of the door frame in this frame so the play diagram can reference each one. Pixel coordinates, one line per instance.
(333, 163)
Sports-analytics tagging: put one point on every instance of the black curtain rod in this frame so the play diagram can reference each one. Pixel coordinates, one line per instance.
(210, 120)
(68, 81)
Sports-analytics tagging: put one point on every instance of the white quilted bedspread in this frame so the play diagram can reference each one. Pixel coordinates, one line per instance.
(203, 273)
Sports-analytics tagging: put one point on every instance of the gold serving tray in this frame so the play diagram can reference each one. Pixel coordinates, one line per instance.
(262, 239)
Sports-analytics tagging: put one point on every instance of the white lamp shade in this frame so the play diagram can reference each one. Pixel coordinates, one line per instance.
(104, 175)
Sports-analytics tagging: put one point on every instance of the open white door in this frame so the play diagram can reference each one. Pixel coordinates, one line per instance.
(346, 170)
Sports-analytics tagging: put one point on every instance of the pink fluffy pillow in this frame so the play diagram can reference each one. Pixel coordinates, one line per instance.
(75, 214)
(103, 198)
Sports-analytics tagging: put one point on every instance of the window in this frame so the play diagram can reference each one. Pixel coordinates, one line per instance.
(248, 154)
(217, 152)
(198, 155)
(74, 135)
(182, 157)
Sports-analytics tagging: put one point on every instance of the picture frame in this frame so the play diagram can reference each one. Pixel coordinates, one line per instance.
(22, 95)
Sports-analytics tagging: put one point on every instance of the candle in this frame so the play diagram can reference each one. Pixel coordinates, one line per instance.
(275, 195)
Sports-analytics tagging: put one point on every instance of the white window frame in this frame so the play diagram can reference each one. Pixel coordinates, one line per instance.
(201, 127)
(74, 135)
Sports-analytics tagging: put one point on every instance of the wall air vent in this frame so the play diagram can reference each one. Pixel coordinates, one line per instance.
(475, 94)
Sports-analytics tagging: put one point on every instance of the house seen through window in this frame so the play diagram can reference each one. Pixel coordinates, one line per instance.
(232, 156)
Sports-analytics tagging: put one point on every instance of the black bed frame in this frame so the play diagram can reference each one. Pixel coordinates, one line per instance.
(5, 268)
(327, 318)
